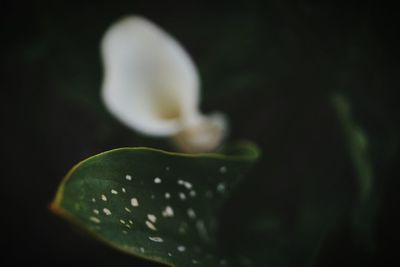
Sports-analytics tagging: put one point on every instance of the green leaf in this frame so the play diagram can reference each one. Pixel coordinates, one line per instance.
(357, 143)
(358, 148)
(153, 204)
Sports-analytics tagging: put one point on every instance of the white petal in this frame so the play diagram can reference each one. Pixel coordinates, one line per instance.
(150, 82)
(151, 85)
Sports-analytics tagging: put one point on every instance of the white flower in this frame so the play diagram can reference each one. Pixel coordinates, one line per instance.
(152, 86)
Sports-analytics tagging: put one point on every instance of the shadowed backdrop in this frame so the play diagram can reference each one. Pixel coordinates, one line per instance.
(270, 67)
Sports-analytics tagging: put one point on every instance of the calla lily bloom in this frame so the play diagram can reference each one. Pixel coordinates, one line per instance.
(152, 86)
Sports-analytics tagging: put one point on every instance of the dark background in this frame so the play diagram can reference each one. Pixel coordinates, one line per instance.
(270, 67)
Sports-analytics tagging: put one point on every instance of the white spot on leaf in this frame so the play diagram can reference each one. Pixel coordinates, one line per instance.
(221, 187)
(103, 197)
(185, 184)
(123, 189)
(107, 211)
(151, 226)
(191, 213)
(188, 185)
(95, 211)
(152, 218)
(94, 219)
(157, 180)
(156, 239)
(115, 192)
(222, 169)
(182, 196)
(127, 209)
(167, 195)
(134, 202)
(128, 177)
(181, 248)
(168, 212)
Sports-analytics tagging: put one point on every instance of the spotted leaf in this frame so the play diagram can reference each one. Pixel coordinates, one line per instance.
(153, 204)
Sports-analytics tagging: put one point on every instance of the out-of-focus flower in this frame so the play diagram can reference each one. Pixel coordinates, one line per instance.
(151, 85)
